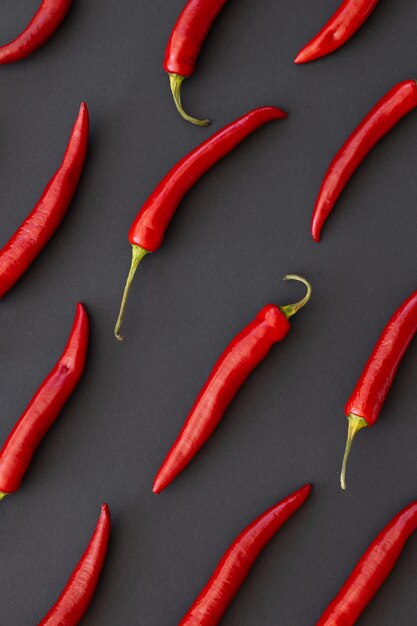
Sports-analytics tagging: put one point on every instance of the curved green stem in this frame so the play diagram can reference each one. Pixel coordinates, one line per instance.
(137, 255)
(356, 424)
(291, 309)
(3, 495)
(176, 81)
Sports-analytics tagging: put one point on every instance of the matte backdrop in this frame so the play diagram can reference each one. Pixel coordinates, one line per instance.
(237, 233)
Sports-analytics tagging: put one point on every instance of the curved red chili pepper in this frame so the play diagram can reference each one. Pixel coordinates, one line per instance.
(41, 28)
(343, 24)
(239, 359)
(184, 45)
(382, 118)
(238, 560)
(364, 405)
(39, 226)
(45, 406)
(371, 571)
(148, 229)
(75, 599)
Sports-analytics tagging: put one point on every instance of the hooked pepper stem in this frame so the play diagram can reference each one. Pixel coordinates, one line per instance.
(291, 309)
(176, 81)
(137, 255)
(356, 424)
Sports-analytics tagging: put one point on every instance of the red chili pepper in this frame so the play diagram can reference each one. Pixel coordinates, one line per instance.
(368, 397)
(41, 28)
(343, 24)
(45, 406)
(148, 229)
(382, 118)
(371, 571)
(75, 599)
(184, 45)
(238, 560)
(239, 359)
(39, 226)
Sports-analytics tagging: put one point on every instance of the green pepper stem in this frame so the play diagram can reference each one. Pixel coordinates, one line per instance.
(356, 424)
(176, 81)
(291, 309)
(137, 255)
(3, 495)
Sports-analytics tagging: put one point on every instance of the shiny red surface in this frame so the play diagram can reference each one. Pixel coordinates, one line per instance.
(34, 233)
(380, 120)
(148, 229)
(343, 24)
(188, 35)
(79, 590)
(45, 406)
(371, 571)
(239, 359)
(41, 28)
(237, 561)
(373, 386)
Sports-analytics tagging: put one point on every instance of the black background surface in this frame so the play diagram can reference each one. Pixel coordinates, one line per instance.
(237, 233)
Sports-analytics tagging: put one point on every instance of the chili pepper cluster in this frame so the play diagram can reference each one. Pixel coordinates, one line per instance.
(244, 352)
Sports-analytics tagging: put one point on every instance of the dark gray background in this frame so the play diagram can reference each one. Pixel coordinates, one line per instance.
(242, 228)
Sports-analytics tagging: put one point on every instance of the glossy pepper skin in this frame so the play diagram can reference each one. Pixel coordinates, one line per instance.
(238, 360)
(41, 28)
(36, 230)
(184, 45)
(371, 571)
(237, 561)
(343, 24)
(382, 118)
(148, 229)
(367, 399)
(45, 406)
(75, 599)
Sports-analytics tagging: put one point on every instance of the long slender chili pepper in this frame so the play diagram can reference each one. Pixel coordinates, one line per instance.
(382, 118)
(45, 406)
(184, 46)
(39, 226)
(41, 28)
(238, 560)
(371, 571)
(238, 360)
(148, 229)
(343, 24)
(76, 597)
(367, 399)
